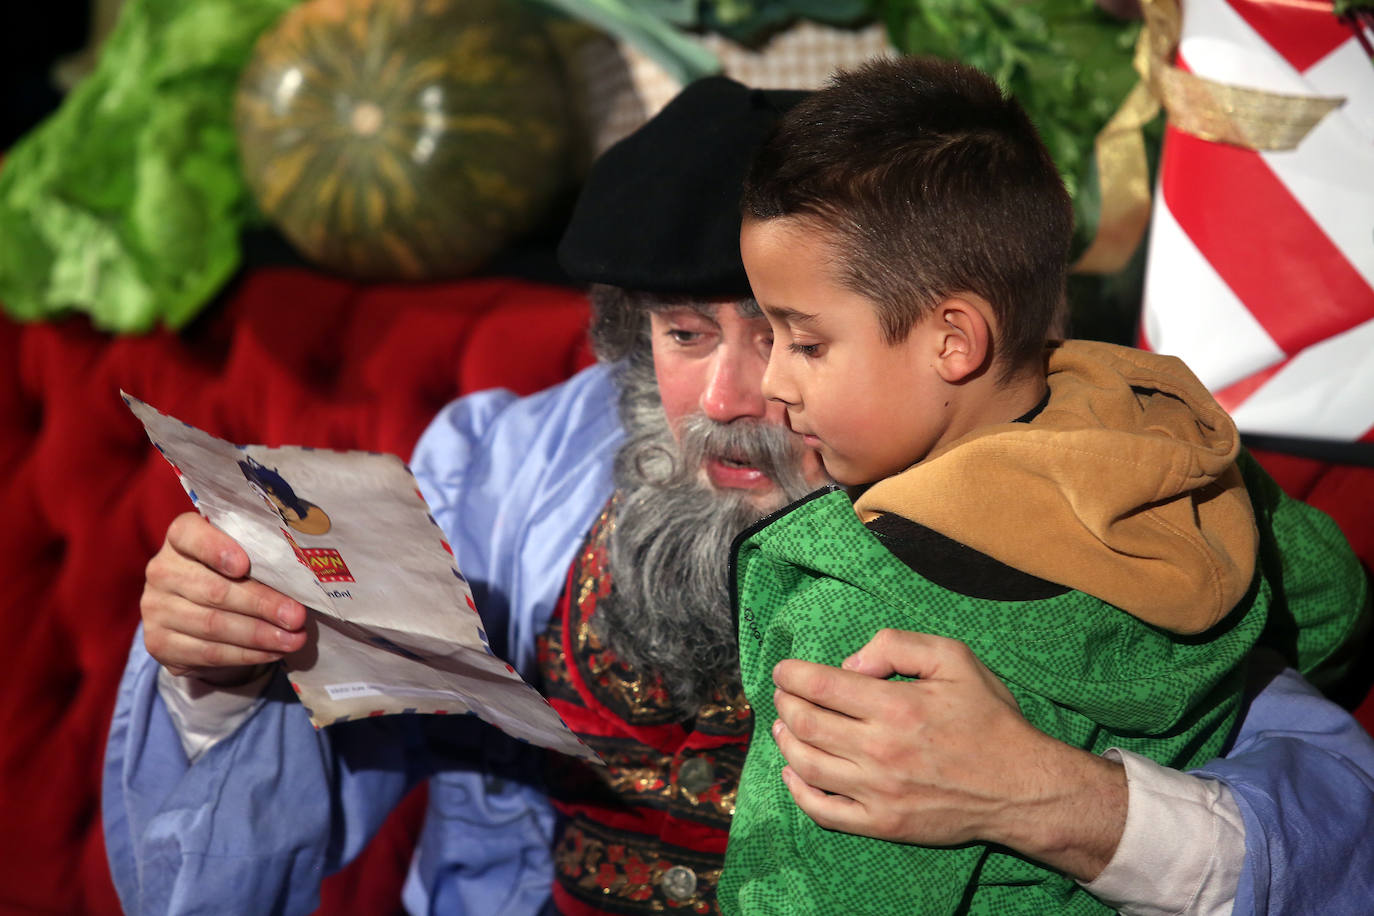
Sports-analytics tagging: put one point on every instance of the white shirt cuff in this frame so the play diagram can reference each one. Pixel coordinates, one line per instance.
(1182, 849)
(202, 713)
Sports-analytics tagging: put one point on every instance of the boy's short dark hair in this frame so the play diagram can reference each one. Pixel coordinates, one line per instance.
(930, 182)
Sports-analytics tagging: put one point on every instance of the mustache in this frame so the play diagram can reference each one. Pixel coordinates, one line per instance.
(768, 447)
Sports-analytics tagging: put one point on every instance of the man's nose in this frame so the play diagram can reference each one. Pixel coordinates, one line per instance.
(734, 387)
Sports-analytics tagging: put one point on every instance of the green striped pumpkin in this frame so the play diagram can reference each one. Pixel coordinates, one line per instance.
(404, 139)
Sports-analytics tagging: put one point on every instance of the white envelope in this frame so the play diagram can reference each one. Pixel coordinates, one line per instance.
(346, 533)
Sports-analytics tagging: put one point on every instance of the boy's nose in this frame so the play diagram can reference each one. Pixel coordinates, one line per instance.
(774, 385)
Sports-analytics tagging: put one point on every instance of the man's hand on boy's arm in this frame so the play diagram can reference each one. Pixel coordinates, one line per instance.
(202, 616)
(943, 760)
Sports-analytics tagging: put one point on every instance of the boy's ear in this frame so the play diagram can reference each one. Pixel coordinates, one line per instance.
(963, 331)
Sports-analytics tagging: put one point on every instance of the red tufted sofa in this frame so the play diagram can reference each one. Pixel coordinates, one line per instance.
(286, 356)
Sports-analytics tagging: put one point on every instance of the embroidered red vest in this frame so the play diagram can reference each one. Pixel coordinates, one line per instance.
(646, 833)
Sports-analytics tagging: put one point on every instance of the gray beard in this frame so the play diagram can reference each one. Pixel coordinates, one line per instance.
(669, 614)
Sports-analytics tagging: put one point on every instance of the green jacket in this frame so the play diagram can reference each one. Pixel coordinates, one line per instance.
(813, 583)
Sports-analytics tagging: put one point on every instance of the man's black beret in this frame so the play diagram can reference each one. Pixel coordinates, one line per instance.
(660, 209)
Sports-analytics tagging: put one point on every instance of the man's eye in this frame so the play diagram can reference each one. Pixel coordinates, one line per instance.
(805, 349)
(683, 337)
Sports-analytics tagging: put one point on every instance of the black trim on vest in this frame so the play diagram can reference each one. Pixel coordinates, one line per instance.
(958, 567)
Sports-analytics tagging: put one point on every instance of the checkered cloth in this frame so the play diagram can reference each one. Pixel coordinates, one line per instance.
(622, 87)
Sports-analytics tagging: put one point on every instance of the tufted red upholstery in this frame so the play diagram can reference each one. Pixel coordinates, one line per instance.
(287, 357)
(1346, 493)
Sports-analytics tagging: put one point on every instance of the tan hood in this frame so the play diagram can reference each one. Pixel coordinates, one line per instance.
(1124, 487)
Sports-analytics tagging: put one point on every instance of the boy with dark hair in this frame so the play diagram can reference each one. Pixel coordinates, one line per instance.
(1080, 514)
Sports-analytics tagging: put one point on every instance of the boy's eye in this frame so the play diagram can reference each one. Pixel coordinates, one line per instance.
(810, 350)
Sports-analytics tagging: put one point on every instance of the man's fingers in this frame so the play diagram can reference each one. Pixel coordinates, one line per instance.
(251, 599)
(833, 812)
(229, 628)
(176, 575)
(848, 689)
(816, 765)
(203, 616)
(182, 654)
(845, 692)
(192, 536)
(176, 616)
(816, 725)
(906, 653)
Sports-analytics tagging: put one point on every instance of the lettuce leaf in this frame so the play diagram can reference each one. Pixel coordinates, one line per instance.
(127, 202)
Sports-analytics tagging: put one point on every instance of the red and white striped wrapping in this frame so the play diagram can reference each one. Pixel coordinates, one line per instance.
(1261, 264)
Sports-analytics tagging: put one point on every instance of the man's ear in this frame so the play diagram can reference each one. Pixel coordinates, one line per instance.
(963, 328)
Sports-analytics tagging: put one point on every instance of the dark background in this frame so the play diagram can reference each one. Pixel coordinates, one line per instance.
(33, 36)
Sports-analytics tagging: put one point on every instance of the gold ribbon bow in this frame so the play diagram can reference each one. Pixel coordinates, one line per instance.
(1248, 118)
